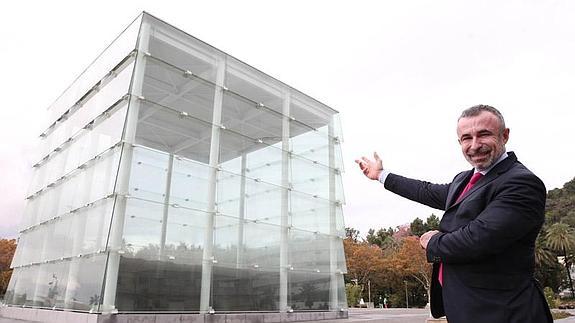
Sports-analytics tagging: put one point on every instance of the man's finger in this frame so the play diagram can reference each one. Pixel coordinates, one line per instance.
(376, 156)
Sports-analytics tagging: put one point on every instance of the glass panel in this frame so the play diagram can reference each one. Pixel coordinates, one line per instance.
(169, 86)
(245, 117)
(91, 225)
(314, 179)
(152, 285)
(107, 95)
(30, 213)
(25, 286)
(189, 184)
(169, 130)
(143, 229)
(308, 291)
(85, 146)
(51, 285)
(261, 245)
(86, 274)
(9, 296)
(245, 289)
(149, 175)
(266, 164)
(308, 251)
(341, 295)
(254, 85)
(263, 202)
(106, 133)
(226, 240)
(104, 63)
(310, 214)
(59, 243)
(233, 146)
(185, 236)
(182, 50)
(229, 194)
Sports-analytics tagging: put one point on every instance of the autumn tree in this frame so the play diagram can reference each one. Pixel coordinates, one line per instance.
(410, 261)
(7, 249)
(364, 261)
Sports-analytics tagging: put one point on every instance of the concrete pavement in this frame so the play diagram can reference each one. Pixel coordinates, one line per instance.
(356, 315)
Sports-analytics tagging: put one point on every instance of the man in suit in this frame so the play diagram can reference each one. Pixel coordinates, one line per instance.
(483, 254)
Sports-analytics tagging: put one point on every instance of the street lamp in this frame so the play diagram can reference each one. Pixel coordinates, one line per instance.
(406, 298)
(369, 292)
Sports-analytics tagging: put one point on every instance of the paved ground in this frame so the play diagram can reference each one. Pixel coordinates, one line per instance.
(392, 315)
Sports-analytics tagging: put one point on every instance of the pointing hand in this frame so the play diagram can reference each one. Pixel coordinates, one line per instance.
(370, 168)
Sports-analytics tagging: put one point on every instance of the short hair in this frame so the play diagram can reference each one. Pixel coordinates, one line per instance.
(477, 109)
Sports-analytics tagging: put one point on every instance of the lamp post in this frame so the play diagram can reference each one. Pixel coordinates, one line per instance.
(406, 298)
(369, 292)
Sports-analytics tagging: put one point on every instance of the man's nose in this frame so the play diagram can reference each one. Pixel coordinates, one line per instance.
(475, 143)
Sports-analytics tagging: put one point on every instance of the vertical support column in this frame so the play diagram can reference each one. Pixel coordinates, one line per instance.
(166, 207)
(207, 259)
(241, 213)
(284, 255)
(333, 237)
(122, 182)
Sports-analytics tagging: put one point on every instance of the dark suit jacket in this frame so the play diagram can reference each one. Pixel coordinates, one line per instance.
(486, 244)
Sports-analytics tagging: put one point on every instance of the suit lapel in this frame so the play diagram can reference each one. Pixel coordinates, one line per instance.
(457, 186)
(500, 168)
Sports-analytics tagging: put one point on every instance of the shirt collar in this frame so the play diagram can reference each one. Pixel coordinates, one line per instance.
(502, 157)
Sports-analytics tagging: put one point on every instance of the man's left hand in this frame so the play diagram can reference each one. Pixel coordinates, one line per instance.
(424, 239)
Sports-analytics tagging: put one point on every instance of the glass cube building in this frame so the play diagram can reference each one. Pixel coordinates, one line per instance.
(172, 177)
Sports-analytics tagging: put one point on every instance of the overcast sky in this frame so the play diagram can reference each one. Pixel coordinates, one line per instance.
(400, 72)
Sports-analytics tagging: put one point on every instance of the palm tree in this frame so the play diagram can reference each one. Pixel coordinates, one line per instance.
(543, 256)
(561, 237)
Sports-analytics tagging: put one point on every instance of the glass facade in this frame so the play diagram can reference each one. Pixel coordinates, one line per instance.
(174, 177)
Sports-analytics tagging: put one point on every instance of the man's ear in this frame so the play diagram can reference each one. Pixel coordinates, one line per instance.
(505, 135)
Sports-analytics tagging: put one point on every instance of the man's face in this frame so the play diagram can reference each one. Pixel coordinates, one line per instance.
(481, 139)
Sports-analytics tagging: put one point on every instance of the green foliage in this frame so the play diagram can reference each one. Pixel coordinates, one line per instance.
(353, 293)
(557, 238)
(352, 234)
(418, 227)
(432, 222)
(382, 238)
(550, 297)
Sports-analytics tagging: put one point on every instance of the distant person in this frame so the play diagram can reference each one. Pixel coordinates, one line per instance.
(483, 254)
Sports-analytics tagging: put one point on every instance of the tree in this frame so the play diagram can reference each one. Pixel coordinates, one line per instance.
(560, 237)
(364, 261)
(382, 238)
(410, 261)
(432, 222)
(7, 249)
(417, 227)
(352, 234)
(353, 293)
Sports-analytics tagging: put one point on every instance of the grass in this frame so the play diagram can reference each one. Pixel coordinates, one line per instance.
(560, 315)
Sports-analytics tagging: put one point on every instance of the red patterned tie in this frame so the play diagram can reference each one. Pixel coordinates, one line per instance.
(469, 185)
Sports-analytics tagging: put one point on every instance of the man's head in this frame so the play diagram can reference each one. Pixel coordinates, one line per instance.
(482, 135)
